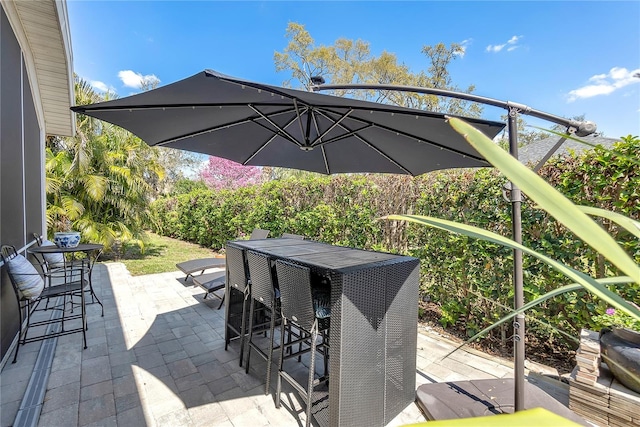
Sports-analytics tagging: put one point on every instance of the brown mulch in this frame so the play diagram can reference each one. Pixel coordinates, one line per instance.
(536, 350)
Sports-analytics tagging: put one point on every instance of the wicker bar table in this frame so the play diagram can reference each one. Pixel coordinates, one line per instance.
(374, 311)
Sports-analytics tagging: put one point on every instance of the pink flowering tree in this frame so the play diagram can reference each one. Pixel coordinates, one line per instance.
(221, 173)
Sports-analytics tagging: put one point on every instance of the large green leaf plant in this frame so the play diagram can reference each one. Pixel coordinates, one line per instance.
(575, 218)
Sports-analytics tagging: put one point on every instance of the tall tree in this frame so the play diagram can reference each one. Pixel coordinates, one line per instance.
(439, 57)
(177, 165)
(351, 61)
(185, 186)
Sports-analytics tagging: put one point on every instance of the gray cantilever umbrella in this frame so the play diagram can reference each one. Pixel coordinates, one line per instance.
(262, 125)
(257, 124)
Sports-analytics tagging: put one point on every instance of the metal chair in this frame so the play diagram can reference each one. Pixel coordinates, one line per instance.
(57, 263)
(297, 307)
(20, 271)
(237, 287)
(265, 293)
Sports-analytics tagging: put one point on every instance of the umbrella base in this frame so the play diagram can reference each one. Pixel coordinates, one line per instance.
(476, 398)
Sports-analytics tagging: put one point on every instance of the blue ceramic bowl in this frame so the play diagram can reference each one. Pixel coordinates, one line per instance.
(67, 239)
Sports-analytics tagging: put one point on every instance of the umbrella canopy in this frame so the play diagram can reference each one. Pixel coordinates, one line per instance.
(263, 125)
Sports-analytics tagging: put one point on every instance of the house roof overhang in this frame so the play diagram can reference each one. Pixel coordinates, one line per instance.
(42, 29)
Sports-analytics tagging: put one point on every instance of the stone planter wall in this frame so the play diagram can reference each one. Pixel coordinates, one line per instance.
(593, 392)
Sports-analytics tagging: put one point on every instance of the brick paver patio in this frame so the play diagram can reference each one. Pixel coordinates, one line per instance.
(157, 358)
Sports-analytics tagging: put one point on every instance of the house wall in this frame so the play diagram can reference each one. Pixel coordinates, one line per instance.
(21, 168)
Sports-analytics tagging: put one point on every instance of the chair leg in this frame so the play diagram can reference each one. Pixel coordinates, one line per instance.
(83, 309)
(243, 324)
(272, 329)
(312, 368)
(252, 308)
(93, 295)
(283, 326)
(302, 334)
(15, 356)
(221, 301)
(64, 311)
(227, 316)
(325, 352)
(272, 325)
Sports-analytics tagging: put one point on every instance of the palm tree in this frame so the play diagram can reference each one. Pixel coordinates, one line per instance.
(97, 181)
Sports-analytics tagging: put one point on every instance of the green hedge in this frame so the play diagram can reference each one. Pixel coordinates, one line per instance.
(469, 279)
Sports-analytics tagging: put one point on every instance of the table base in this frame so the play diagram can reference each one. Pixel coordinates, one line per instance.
(476, 398)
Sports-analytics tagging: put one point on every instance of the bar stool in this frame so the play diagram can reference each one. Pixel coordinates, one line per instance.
(265, 293)
(298, 310)
(237, 280)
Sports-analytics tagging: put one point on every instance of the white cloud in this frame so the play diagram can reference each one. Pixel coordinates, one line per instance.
(514, 39)
(464, 45)
(618, 73)
(98, 85)
(512, 43)
(136, 80)
(605, 84)
(130, 78)
(598, 78)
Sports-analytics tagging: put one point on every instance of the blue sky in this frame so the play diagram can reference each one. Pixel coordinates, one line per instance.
(564, 58)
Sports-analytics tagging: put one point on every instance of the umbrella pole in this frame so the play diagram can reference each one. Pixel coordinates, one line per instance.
(513, 108)
(518, 281)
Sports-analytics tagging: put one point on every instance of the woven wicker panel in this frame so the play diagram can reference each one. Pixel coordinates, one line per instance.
(261, 278)
(401, 336)
(295, 293)
(235, 301)
(237, 268)
(358, 354)
(373, 327)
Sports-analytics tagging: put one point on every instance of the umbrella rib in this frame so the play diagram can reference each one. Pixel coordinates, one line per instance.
(398, 132)
(326, 162)
(350, 133)
(281, 131)
(263, 146)
(324, 153)
(299, 118)
(318, 140)
(215, 128)
(383, 154)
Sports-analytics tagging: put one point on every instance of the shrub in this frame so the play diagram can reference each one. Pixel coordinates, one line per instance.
(468, 278)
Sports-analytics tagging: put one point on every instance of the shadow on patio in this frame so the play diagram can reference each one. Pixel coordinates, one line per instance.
(157, 358)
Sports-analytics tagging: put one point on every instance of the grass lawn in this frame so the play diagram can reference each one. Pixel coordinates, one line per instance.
(161, 255)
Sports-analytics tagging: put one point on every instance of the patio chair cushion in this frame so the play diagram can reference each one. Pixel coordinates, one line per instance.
(26, 278)
(54, 260)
